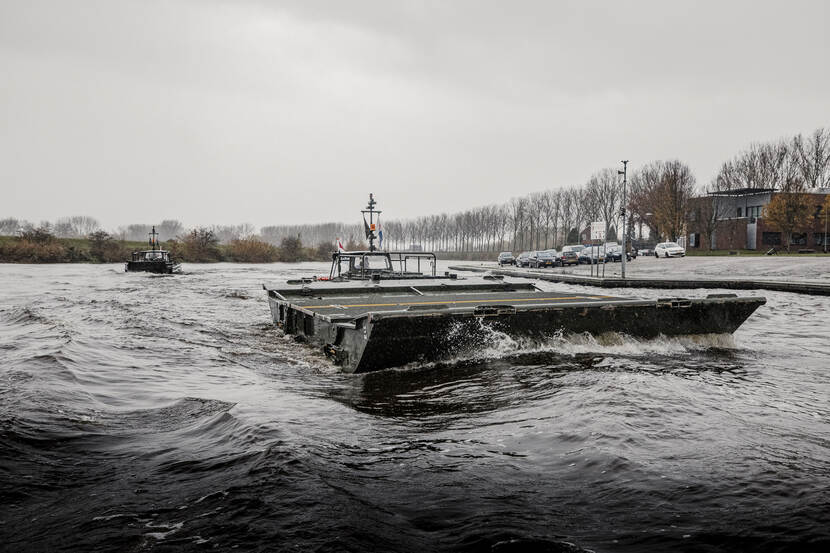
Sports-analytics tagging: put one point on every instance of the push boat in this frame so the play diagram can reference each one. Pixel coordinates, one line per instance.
(153, 260)
(377, 310)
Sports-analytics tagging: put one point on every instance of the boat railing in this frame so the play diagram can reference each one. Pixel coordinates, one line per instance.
(404, 258)
(360, 264)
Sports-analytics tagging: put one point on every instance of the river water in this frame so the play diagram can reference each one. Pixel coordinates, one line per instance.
(165, 413)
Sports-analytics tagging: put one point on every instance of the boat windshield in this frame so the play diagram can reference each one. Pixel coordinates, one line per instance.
(154, 256)
(377, 262)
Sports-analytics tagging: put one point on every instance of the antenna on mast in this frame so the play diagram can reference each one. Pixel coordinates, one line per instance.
(370, 226)
(153, 241)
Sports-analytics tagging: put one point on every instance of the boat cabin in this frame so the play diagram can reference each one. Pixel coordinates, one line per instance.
(154, 256)
(365, 265)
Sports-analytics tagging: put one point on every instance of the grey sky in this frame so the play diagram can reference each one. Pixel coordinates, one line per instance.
(287, 112)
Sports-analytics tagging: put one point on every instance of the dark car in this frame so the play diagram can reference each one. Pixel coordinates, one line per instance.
(614, 253)
(523, 260)
(592, 255)
(570, 254)
(546, 258)
(506, 258)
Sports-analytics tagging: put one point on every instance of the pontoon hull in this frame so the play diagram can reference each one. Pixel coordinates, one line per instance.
(429, 330)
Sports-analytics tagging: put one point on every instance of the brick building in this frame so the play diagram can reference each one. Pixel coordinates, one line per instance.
(740, 222)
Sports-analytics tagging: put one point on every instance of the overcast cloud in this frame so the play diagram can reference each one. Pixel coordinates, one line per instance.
(284, 112)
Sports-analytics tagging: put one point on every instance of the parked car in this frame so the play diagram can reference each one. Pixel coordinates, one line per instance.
(523, 260)
(546, 258)
(531, 260)
(669, 249)
(570, 254)
(506, 258)
(614, 253)
(592, 254)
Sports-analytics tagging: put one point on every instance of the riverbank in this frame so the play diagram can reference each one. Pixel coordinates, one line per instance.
(104, 249)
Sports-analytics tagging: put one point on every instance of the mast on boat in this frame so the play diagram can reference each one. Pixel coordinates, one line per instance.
(370, 226)
(153, 238)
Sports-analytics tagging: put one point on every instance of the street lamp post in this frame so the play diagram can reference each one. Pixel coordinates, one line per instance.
(624, 173)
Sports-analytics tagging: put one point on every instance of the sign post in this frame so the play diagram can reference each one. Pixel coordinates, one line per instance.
(597, 233)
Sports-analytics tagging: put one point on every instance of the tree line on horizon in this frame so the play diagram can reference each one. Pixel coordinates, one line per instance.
(659, 203)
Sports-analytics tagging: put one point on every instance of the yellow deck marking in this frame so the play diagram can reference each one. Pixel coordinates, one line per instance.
(503, 300)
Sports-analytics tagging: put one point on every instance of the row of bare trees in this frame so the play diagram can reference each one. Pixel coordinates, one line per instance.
(537, 221)
(323, 233)
(79, 226)
(801, 161)
(84, 226)
(659, 200)
(171, 228)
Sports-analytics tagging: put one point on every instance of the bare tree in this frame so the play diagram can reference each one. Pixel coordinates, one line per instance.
(604, 195)
(84, 225)
(75, 227)
(134, 232)
(676, 187)
(710, 210)
(169, 228)
(517, 214)
(644, 183)
(813, 157)
(12, 226)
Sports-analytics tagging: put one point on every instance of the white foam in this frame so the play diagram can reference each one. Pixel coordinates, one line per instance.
(498, 344)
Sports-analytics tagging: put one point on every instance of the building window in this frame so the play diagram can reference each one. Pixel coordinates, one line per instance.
(739, 213)
(771, 238)
(820, 239)
(798, 239)
(754, 211)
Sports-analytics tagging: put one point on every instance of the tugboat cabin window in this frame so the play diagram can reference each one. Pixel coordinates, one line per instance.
(343, 265)
(154, 256)
(376, 262)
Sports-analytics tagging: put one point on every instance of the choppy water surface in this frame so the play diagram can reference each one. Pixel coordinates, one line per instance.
(144, 412)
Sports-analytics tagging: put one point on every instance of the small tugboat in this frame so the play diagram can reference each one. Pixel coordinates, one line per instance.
(376, 310)
(153, 260)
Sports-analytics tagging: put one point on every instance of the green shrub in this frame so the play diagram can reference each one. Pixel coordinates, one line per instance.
(291, 249)
(252, 250)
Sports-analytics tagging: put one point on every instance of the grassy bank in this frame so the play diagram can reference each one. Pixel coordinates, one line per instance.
(44, 248)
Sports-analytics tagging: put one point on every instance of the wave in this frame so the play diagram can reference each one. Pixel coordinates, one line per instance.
(494, 344)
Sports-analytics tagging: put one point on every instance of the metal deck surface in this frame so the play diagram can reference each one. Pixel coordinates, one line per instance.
(350, 306)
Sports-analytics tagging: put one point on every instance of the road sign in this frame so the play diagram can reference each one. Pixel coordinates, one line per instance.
(598, 230)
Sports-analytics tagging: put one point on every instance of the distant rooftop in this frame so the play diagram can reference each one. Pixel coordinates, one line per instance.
(742, 192)
(757, 191)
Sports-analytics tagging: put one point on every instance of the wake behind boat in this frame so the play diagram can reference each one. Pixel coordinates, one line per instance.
(376, 311)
